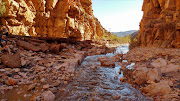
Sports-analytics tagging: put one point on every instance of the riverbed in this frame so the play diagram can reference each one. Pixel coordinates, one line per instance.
(94, 82)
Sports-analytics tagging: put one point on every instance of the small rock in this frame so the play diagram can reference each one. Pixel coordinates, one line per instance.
(16, 70)
(27, 95)
(48, 96)
(55, 84)
(65, 83)
(67, 78)
(45, 86)
(11, 81)
(116, 97)
(32, 86)
(23, 62)
(107, 62)
(123, 79)
(43, 80)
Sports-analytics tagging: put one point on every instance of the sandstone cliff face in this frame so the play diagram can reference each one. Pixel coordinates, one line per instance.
(160, 25)
(52, 18)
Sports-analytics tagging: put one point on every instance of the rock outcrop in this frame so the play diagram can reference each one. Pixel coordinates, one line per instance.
(52, 18)
(160, 26)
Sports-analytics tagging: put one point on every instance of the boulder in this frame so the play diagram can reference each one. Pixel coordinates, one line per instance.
(107, 63)
(13, 61)
(140, 75)
(48, 96)
(44, 47)
(170, 68)
(161, 88)
(154, 75)
(116, 58)
(102, 58)
(160, 62)
(28, 46)
(55, 48)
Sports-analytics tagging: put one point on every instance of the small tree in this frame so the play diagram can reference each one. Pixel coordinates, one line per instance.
(2, 8)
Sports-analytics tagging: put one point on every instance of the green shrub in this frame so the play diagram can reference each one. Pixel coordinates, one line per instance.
(113, 39)
(133, 43)
(2, 8)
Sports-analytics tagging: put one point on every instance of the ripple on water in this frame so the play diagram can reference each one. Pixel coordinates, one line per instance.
(94, 82)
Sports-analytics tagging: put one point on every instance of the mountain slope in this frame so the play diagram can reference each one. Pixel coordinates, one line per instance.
(122, 34)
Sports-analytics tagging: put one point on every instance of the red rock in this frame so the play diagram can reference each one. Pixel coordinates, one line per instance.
(28, 46)
(159, 24)
(170, 68)
(12, 61)
(32, 86)
(123, 79)
(55, 48)
(155, 89)
(108, 63)
(160, 62)
(44, 47)
(75, 20)
(140, 75)
(11, 81)
(154, 75)
(101, 58)
(48, 96)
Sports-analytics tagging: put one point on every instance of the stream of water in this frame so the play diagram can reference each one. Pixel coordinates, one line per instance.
(94, 82)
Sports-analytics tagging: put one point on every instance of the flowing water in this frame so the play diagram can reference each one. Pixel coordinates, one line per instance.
(96, 83)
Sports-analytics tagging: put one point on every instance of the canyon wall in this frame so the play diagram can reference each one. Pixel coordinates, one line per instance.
(52, 18)
(160, 26)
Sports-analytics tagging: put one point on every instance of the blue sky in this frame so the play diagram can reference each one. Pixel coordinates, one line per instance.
(118, 15)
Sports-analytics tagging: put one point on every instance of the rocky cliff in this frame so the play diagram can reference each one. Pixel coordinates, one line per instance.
(52, 18)
(160, 25)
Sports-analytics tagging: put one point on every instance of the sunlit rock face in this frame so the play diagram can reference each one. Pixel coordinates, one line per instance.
(52, 18)
(160, 26)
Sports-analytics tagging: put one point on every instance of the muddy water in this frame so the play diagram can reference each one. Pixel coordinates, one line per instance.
(96, 83)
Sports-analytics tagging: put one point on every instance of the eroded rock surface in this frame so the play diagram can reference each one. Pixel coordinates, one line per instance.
(52, 18)
(160, 25)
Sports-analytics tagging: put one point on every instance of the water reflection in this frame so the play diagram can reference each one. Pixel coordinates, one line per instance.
(97, 83)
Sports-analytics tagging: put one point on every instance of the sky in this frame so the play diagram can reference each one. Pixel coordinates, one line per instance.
(118, 15)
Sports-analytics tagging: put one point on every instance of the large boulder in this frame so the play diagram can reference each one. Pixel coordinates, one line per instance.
(154, 75)
(170, 68)
(28, 46)
(140, 75)
(13, 61)
(160, 62)
(155, 89)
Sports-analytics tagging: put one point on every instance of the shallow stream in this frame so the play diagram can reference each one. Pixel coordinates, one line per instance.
(94, 82)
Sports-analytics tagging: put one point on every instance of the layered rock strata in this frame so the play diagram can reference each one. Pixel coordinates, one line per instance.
(52, 18)
(160, 25)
